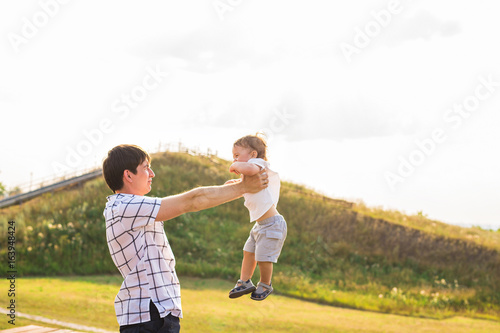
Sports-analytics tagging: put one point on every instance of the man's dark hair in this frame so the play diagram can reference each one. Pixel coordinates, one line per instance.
(121, 158)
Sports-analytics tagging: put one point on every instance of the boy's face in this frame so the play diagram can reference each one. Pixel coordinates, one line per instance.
(242, 154)
(142, 180)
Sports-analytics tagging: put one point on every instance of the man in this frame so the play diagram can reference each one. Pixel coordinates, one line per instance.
(149, 299)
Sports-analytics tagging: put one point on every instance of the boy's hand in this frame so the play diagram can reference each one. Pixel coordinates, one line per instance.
(244, 168)
(233, 169)
(232, 181)
(257, 182)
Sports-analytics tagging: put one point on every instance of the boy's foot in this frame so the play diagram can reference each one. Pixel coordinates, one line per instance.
(263, 290)
(242, 288)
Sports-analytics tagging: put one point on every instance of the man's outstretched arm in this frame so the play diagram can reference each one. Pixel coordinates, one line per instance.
(209, 196)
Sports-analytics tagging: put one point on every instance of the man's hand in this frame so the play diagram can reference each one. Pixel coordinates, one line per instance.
(255, 183)
(232, 181)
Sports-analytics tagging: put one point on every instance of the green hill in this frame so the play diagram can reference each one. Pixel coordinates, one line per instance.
(336, 252)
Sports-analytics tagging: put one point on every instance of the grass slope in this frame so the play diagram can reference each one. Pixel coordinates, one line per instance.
(336, 253)
(89, 301)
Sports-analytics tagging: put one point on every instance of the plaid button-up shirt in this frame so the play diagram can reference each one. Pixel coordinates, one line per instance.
(141, 252)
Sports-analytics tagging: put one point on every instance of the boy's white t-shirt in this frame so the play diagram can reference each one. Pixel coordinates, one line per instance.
(259, 203)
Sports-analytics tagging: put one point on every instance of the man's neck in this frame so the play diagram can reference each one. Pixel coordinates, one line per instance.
(128, 191)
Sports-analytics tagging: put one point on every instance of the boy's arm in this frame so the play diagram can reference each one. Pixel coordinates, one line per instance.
(209, 196)
(244, 168)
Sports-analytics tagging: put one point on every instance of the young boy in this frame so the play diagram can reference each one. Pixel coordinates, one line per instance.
(149, 299)
(267, 236)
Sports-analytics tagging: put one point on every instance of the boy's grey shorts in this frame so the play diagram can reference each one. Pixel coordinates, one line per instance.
(266, 239)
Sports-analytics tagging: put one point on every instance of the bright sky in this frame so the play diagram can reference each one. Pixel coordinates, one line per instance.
(391, 102)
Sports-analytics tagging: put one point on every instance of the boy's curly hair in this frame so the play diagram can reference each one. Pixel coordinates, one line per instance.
(255, 142)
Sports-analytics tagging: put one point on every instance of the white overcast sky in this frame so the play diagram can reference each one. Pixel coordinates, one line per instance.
(345, 91)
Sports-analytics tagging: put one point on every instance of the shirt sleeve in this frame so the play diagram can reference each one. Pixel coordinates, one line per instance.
(139, 212)
(260, 162)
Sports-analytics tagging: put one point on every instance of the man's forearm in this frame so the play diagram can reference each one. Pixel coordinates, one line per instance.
(211, 196)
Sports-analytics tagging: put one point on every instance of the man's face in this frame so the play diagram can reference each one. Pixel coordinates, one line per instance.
(143, 179)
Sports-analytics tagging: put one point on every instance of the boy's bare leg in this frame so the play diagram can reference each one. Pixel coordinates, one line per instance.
(266, 272)
(248, 265)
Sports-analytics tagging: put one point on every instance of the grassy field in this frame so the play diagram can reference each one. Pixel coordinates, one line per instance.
(336, 252)
(89, 301)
